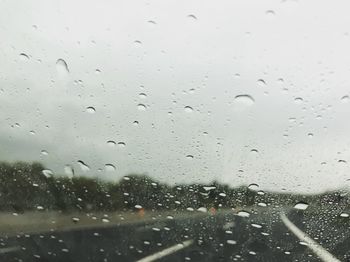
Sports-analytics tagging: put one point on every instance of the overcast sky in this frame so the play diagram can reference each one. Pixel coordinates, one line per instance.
(190, 91)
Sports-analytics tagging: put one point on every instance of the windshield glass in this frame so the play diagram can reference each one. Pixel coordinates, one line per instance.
(174, 130)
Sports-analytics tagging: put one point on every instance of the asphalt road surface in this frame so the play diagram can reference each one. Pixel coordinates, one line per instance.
(268, 235)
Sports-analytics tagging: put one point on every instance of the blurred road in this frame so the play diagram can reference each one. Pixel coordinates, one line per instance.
(226, 236)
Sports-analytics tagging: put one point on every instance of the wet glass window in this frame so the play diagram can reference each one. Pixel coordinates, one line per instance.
(174, 130)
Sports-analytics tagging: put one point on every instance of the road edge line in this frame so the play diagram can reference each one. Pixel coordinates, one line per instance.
(5, 250)
(166, 252)
(322, 253)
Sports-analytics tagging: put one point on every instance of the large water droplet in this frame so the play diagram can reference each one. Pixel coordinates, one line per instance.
(188, 109)
(298, 100)
(254, 151)
(110, 167)
(243, 214)
(90, 110)
(111, 143)
(345, 99)
(208, 188)
(261, 82)
(47, 172)
(301, 205)
(142, 95)
(121, 144)
(202, 209)
(344, 215)
(84, 167)
(23, 57)
(141, 107)
(244, 100)
(68, 170)
(44, 152)
(253, 187)
(62, 67)
(189, 157)
(75, 219)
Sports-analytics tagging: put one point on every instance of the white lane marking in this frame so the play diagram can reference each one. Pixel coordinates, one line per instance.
(9, 249)
(312, 244)
(167, 251)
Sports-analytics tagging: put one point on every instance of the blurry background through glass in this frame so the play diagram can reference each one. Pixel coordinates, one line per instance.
(172, 106)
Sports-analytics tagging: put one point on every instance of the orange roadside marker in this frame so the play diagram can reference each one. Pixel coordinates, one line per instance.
(212, 210)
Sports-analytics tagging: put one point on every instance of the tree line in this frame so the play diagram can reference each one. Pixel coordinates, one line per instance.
(26, 186)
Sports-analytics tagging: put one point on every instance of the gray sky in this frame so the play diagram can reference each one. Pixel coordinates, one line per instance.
(189, 60)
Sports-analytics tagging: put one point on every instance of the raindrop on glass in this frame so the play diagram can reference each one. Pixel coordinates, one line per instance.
(90, 110)
(254, 151)
(193, 17)
(111, 143)
(75, 219)
(84, 167)
(62, 67)
(47, 172)
(188, 109)
(44, 152)
(68, 170)
(301, 206)
(141, 107)
(142, 95)
(110, 167)
(261, 82)
(121, 144)
(23, 57)
(243, 214)
(202, 209)
(345, 99)
(298, 100)
(246, 100)
(253, 187)
(190, 157)
(151, 22)
(270, 13)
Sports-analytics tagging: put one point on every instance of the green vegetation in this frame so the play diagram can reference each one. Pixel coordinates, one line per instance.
(23, 186)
